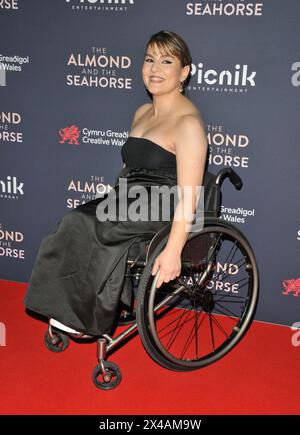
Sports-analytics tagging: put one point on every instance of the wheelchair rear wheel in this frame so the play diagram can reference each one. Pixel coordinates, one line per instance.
(199, 317)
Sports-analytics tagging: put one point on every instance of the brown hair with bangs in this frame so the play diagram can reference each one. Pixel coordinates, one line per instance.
(171, 43)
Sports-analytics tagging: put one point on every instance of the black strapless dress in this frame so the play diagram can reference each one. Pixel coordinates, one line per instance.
(79, 272)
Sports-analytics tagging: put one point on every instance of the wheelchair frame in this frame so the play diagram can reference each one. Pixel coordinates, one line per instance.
(109, 371)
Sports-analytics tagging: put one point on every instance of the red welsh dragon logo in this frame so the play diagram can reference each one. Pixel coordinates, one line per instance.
(71, 134)
(291, 286)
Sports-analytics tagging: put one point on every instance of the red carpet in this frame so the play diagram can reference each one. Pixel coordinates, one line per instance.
(260, 376)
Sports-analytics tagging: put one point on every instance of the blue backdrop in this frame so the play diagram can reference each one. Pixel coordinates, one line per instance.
(70, 81)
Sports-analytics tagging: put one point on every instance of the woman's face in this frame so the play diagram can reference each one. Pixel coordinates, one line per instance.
(162, 72)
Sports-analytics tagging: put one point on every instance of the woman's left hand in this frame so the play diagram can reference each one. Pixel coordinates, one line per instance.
(169, 264)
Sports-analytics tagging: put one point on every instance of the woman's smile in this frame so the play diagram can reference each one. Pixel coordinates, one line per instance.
(156, 79)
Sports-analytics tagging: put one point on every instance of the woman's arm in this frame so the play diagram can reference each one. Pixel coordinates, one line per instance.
(191, 149)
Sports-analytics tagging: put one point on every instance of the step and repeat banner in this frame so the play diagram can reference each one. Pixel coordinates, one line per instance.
(70, 82)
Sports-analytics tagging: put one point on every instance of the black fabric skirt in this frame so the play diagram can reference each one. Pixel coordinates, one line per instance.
(79, 272)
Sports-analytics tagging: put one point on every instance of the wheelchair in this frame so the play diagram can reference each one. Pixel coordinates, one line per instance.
(195, 319)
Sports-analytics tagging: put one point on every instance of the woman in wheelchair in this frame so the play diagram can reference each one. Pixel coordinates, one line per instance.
(197, 290)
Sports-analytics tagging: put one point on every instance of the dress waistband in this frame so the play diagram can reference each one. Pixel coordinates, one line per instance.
(155, 175)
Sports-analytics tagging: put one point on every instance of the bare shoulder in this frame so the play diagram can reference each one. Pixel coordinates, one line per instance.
(190, 127)
(140, 111)
(189, 118)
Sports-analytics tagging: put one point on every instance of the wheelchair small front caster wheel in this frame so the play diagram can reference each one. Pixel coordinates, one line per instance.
(58, 343)
(110, 379)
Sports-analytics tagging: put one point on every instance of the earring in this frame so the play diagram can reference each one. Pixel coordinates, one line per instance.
(181, 87)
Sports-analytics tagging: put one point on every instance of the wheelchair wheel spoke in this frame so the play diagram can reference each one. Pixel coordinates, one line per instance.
(168, 310)
(168, 329)
(196, 319)
(217, 242)
(193, 334)
(213, 318)
(201, 315)
(223, 275)
(181, 321)
(211, 332)
(169, 297)
(229, 298)
(173, 327)
(226, 312)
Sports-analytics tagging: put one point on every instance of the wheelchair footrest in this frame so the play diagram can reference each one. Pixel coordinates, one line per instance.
(62, 327)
